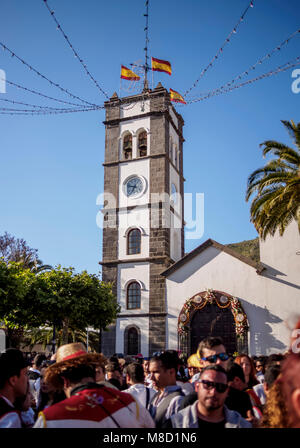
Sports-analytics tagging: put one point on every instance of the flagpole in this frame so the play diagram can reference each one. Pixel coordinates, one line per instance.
(146, 68)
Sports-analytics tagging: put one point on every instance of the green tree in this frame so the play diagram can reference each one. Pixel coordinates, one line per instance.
(17, 294)
(75, 301)
(277, 186)
(44, 335)
(60, 297)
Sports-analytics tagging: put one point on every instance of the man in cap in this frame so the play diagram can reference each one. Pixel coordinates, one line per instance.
(13, 384)
(88, 404)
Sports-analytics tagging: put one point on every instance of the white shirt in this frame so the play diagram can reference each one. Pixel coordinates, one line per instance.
(139, 392)
(11, 419)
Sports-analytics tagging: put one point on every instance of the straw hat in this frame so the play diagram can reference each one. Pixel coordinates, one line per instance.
(193, 361)
(71, 356)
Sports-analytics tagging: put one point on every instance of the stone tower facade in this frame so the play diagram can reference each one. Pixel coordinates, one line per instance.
(143, 224)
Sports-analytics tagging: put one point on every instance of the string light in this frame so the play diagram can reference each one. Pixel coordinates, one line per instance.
(73, 49)
(36, 106)
(10, 111)
(43, 95)
(44, 77)
(280, 69)
(259, 62)
(227, 40)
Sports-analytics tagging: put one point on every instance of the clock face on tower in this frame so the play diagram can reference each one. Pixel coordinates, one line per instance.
(134, 186)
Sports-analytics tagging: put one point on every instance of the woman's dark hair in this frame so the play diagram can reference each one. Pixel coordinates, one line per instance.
(76, 374)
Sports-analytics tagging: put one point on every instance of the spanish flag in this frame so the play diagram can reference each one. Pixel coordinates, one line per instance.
(176, 97)
(128, 74)
(158, 65)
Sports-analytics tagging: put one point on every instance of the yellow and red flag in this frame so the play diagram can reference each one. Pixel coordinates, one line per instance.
(158, 65)
(128, 74)
(176, 97)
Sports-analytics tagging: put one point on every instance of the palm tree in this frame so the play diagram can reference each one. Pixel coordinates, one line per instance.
(44, 335)
(277, 186)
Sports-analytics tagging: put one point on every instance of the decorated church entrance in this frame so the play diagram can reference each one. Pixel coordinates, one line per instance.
(213, 313)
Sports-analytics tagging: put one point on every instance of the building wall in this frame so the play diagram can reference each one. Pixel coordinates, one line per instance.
(142, 323)
(280, 253)
(267, 301)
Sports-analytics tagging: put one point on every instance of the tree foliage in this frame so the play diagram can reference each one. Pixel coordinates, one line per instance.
(277, 186)
(59, 297)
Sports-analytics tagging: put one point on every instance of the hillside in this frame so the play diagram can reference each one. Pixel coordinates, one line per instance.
(248, 248)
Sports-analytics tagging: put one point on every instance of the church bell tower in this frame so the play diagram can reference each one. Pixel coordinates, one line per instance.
(143, 222)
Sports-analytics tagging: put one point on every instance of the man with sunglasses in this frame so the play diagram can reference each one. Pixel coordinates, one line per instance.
(211, 350)
(209, 411)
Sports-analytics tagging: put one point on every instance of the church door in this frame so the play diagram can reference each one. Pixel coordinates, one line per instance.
(133, 341)
(213, 321)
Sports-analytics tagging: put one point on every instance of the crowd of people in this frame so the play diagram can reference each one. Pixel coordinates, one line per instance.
(78, 389)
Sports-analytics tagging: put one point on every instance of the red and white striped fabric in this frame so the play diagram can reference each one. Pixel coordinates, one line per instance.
(96, 407)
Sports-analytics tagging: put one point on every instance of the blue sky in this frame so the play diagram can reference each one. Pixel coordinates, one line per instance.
(51, 166)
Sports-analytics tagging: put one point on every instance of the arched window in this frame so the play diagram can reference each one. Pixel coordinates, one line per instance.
(142, 144)
(127, 146)
(134, 242)
(133, 341)
(133, 296)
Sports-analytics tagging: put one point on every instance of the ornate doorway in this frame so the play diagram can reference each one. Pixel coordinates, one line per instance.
(213, 313)
(213, 321)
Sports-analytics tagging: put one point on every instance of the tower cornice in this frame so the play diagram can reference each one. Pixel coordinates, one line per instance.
(156, 113)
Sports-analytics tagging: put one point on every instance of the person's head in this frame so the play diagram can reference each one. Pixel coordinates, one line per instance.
(163, 369)
(146, 364)
(275, 413)
(212, 389)
(73, 366)
(248, 368)
(271, 375)
(24, 402)
(37, 361)
(259, 364)
(114, 372)
(193, 365)
(211, 350)
(13, 373)
(100, 373)
(134, 373)
(290, 381)
(274, 359)
(236, 377)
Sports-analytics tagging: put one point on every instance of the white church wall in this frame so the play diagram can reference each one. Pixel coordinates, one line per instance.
(140, 168)
(130, 110)
(128, 272)
(134, 218)
(282, 253)
(142, 323)
(267, 302)
(174, 118)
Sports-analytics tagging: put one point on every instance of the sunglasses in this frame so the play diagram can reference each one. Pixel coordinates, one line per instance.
(213, 358)
(220, 387)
